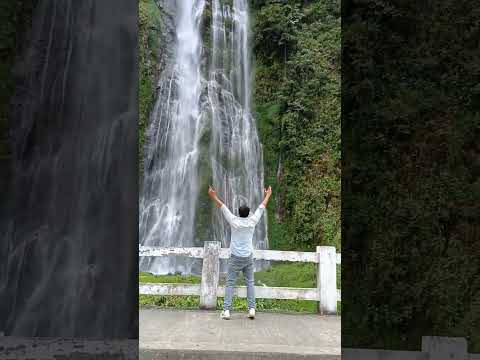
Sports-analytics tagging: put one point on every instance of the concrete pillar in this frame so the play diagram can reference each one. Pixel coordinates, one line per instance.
(327, 280)
(210, 275)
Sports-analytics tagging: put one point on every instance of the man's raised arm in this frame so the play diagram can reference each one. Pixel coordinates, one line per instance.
(259, 212)
(266, 193)
(213, 195)
(219, 204)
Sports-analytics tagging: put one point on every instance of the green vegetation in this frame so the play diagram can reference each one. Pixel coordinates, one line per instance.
(302, 275)
(297, 100)
(149, 38)
(412, 189)
(145, 277)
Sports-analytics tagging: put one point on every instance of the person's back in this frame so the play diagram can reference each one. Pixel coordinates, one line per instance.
(241, 249)
(242, 230)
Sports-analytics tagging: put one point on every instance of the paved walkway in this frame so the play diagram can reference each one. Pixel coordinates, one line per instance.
(203, 335)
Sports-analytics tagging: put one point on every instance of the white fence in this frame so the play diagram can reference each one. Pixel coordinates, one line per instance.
(325, 293)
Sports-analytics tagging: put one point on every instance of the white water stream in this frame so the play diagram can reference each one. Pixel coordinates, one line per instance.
(201, 131)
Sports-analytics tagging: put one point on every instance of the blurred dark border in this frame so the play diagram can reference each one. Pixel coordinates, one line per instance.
(410, 177)
(69, 169)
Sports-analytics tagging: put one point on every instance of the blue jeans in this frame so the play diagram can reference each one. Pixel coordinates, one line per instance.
(236, 264)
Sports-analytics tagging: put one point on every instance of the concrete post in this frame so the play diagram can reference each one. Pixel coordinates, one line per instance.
(445, 348)
(210, 275)
(327, 280)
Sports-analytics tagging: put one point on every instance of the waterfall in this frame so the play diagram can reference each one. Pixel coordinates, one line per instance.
(236, 156)
(68, 238)
(201, 131)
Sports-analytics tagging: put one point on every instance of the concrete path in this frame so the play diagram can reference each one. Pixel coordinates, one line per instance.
(181, 334)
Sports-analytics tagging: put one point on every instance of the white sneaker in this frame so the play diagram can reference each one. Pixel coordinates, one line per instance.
(251, 313)
(225, 315)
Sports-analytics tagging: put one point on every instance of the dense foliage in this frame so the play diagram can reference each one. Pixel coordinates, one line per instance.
(297, 99)
(149, 41)
(411, 194)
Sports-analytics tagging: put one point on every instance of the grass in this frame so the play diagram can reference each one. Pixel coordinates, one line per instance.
(179, 279)
(302, 275)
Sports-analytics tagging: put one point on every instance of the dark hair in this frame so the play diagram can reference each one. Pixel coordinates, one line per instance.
(243, 211)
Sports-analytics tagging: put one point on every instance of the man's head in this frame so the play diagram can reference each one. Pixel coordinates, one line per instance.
(243, 211)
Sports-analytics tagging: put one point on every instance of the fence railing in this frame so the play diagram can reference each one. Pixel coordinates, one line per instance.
(326, 292)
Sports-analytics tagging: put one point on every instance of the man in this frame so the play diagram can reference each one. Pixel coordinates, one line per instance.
(241, 249)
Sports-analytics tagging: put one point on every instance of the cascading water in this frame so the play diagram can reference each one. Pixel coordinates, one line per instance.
(236, 155)
(67, 235)
(170, 188)
(201, 130)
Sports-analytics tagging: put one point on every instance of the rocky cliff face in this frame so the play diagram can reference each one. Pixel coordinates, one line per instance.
(69, 247)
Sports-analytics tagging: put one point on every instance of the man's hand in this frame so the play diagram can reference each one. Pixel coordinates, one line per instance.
(267, 193)
(213, 195)
(211, 192)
